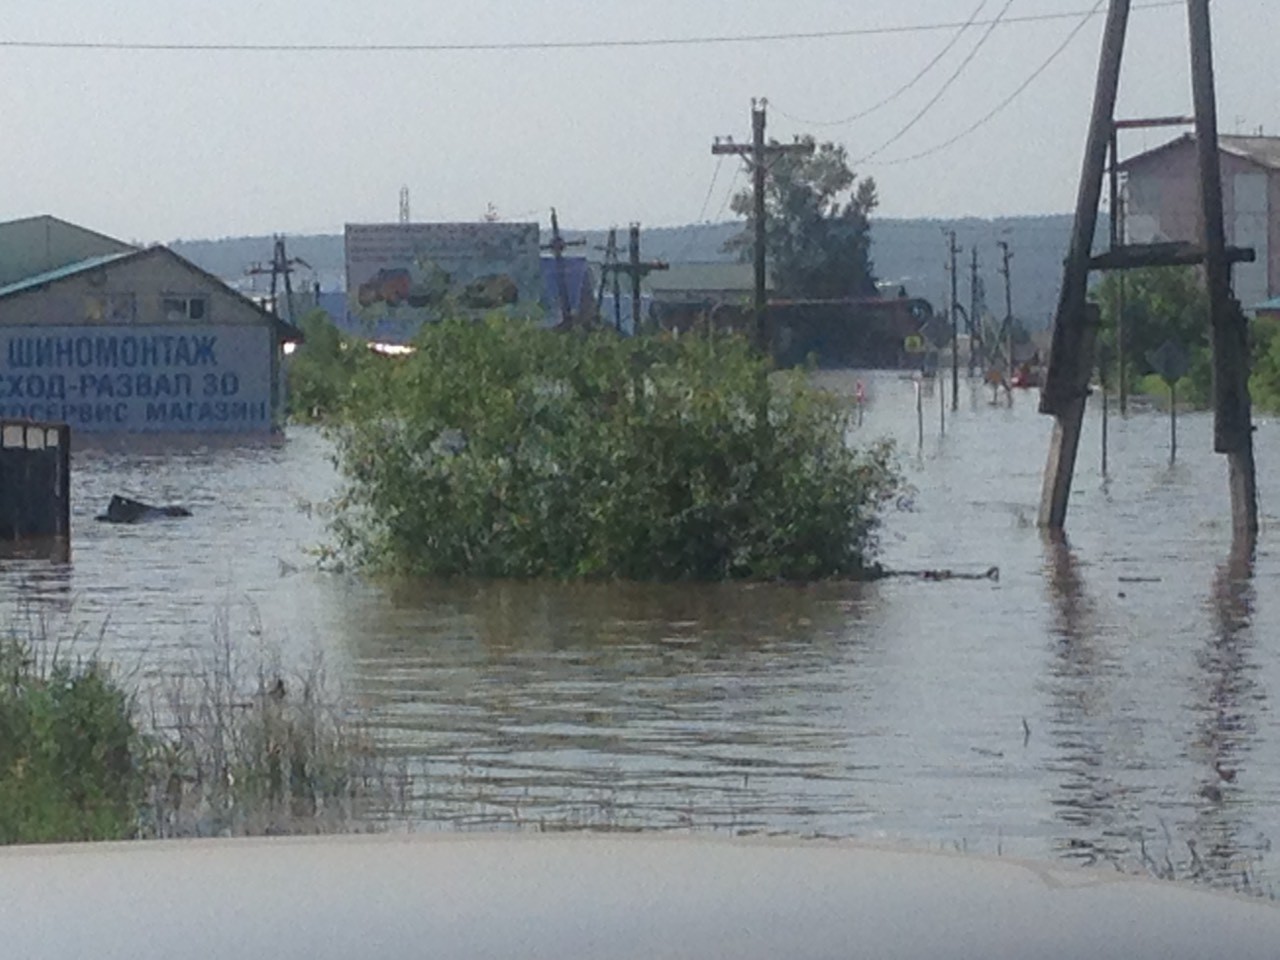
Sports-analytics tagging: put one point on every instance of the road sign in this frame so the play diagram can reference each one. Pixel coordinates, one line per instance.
(1170, 360)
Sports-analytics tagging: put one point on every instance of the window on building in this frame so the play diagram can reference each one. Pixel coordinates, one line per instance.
(185, 308)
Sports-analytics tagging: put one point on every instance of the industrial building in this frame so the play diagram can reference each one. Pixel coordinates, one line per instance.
(113, 338)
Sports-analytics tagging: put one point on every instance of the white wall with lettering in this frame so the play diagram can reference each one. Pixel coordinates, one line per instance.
(140, 378)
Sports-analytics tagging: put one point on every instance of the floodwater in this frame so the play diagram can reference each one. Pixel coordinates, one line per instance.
(1106, 701)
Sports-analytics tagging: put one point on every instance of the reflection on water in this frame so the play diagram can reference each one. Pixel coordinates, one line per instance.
(1090, 795)
(1227, 700)
(651, 705)
(1105, 701)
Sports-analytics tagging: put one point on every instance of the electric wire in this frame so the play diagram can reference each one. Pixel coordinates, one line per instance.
(134, 46)
(950, 81)
(991, 114)
(706, 202)
(729, 194)
(885, 101)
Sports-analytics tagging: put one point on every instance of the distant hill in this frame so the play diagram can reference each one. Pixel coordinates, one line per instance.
(910, 253)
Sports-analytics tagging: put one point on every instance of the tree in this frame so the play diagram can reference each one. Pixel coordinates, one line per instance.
(1160, 303)
(321, 370)
(499, 449)
(817, 231)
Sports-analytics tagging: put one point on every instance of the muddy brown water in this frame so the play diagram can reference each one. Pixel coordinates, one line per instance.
(1110, 701)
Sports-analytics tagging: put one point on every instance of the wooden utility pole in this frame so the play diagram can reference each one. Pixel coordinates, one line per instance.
(1122, 375)
(281, 268)
(557, 246)
(1232, 414)
(955, 326)
(635, 268)
(976, 351)
(633, 261)
(1006, 256)
(610, 269)
(758, 155)
(1071, 360)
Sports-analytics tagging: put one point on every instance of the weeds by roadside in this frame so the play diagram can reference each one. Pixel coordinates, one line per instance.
(229, 748)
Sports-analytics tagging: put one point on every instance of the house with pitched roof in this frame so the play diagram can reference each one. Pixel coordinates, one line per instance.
(115, 338)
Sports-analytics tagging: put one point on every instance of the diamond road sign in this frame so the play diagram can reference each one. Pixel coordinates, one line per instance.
(1170, 360)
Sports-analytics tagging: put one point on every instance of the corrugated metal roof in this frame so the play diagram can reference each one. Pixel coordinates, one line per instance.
(51, 276)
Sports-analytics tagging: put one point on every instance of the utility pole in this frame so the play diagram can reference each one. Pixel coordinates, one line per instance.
(282, 266)
(1232, 414)
(610, 269)
(1006, 256)
(758, 153)
(1066, 386)
(635, 268)
(1071, 359)
(557, 247)
(955, 326)
(633, 261)
(1121, 305)
(975, 315)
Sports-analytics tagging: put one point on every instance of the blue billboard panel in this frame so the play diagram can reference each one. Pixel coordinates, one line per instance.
(191, 378)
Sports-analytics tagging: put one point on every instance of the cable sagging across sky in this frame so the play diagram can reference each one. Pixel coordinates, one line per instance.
(910, 124)
(885, 101)
(1018, 91)
(602, 43)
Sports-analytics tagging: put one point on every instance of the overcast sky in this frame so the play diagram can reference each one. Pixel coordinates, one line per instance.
(161, 145)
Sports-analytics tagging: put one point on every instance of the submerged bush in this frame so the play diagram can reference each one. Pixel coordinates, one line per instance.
(502, 450)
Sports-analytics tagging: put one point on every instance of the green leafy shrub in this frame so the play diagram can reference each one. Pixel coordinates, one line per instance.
(69, 750)
(499, 449)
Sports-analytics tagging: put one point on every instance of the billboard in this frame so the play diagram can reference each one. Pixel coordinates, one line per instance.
(192, 378)
(401, 275)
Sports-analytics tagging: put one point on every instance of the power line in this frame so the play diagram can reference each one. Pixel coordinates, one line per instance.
(737, 172)
(715, 175)
(706, 202)
(941, 90)
(986, 118)
(950, 45)
(705, 40)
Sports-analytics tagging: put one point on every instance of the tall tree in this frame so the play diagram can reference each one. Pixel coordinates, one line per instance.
(817, 230)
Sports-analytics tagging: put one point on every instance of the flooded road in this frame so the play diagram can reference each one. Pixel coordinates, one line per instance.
(1107, 701)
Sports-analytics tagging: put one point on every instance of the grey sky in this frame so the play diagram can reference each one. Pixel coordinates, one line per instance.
(162, 145)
